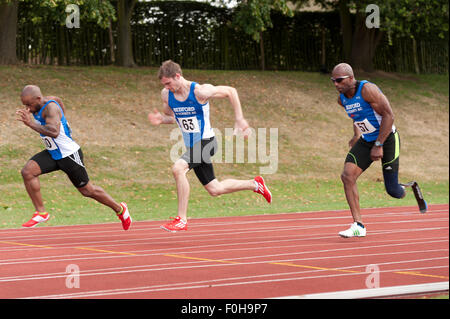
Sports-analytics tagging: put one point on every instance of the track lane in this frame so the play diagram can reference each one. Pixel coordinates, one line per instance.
(282, 254)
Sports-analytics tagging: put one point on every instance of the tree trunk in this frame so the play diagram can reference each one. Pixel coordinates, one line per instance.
(60, 44)
(124, 41)
(8, 32)
(111, 42)
(261, 47)
(365, 42)
(416, 59)
(346, 26)
(323, 54)
(225, 49)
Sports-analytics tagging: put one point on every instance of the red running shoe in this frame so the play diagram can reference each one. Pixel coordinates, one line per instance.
(125, 216)
(262, 189)
(36, 219)
(175, 225)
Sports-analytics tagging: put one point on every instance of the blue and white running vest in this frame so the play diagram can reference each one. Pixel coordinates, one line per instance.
(363, 115)
(63, 145)
(192, 117)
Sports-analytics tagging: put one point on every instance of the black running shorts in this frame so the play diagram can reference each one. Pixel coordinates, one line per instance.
(72, 165)
(198, 158)
(360, 153)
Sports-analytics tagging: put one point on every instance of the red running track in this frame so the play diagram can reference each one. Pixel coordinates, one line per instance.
(251, 257)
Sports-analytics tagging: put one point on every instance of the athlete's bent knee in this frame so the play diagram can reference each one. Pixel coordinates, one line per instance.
(178, 168)
(214, 192)
(87, 191)
(395, 191)
(214, 188)
(29, 171)
(393, 188)
(347, 178)
(26, 173)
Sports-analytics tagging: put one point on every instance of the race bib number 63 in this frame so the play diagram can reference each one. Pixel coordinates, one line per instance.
(189, 124)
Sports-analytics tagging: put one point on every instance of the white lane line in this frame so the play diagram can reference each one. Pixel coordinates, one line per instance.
(203, 264)
(196, 224)
(200, 284)
(210, 234)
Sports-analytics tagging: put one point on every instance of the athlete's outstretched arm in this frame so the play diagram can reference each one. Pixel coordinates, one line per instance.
(205, 92)
(167, 117)
(372, 94)
(355, 137)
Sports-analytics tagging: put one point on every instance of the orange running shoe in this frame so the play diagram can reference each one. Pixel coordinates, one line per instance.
(262, 189)
(175, 225)
(36, 219)
(125, 216)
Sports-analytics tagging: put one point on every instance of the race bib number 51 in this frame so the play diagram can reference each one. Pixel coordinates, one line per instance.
(189, 124)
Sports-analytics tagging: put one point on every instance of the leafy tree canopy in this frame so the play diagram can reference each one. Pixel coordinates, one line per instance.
(253, 16)
(98, 11)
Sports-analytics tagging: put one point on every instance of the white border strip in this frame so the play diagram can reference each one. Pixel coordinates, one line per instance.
(376, 292)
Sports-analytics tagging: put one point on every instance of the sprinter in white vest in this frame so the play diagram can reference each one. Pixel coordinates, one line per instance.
(61, 153)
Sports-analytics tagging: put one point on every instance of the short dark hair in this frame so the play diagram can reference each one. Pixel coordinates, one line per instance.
(169, 69)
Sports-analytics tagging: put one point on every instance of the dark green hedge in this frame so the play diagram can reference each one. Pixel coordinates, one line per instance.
(198, 35)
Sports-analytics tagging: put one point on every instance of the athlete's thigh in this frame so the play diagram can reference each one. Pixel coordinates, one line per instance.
(44, 162)
(73, 166)
(359, 154)
(180, 166)
(200, 153)
(352, 171)
(205, 173)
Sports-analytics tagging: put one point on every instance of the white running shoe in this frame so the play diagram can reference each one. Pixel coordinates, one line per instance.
(354, 231)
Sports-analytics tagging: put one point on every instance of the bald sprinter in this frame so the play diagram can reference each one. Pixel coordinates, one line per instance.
(375, 138)
(46, 116)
